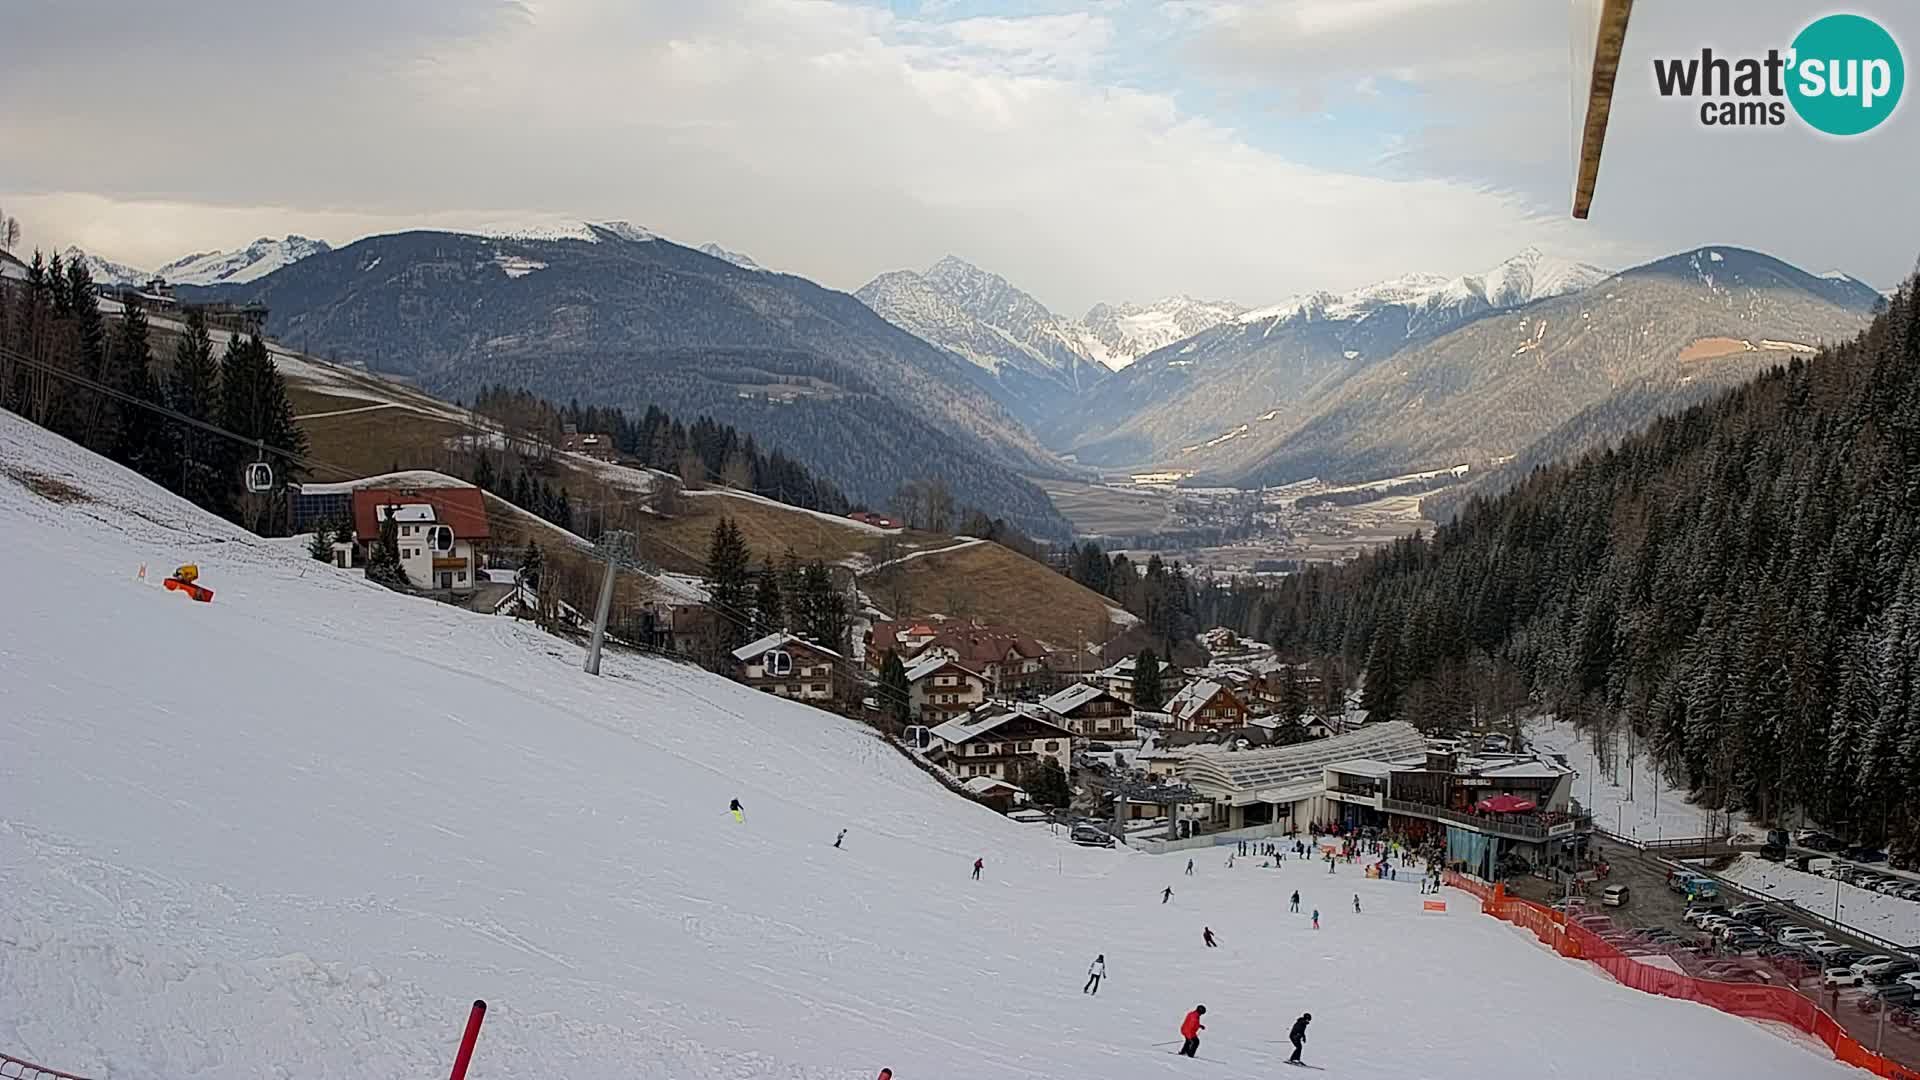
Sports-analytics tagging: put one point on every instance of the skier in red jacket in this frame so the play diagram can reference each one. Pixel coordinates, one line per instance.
(1190, 1029)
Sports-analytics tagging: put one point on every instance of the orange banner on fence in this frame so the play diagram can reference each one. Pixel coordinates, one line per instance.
(1434, 905)
(1775, 1004)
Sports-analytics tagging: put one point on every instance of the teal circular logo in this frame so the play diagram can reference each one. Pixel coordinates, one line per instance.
(1847, 75)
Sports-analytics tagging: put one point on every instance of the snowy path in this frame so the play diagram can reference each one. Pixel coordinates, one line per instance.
(294, 832)
(348, 412)
(966, 542)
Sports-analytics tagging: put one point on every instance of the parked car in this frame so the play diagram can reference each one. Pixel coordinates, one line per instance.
(1867, 855)
(1696, 912)
(1798, 935)
(1891, 973)
(1899, 995)
(1090, 836)
(1616, 896)
(1835, 977)
(1828, 951)
(1867, 965)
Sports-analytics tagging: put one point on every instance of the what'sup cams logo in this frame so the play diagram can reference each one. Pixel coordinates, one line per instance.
(1842, 75)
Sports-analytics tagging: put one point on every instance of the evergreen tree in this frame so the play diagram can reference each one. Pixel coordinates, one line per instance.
(825, 609)
(1148, 693)
(194, 390)
(769, 613)
(383, 557)
(254, 406)
(483, 477)
(321, 546)
(896, 698)
(142, 437)
(1046, 783)
(532, 563)
(729, 563)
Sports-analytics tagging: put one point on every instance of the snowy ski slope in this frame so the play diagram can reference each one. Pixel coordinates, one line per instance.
(292, 833)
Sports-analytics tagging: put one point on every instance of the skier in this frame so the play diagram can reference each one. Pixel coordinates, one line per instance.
(1166, 895)
(1095, 972)
(1316, 918)
(1206, 932)
(1189, 867)
(1190, 1029)
(738, 814)
(837, 839)
(978, 864)
(1298, 1036)
(1296, 902)
(1229, 861)
(1356, 903)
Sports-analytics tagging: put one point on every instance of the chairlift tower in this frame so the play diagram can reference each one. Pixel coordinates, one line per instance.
(616, 546)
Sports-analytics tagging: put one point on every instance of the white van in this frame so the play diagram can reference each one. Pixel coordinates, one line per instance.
(1615, 896)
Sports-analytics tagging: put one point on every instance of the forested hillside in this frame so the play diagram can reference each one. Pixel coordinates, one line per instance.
(629, 323)
(1739, 582)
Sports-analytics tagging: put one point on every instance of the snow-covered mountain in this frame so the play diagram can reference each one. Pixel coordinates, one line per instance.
(1118, 334)
(1251, 367)
(1433, 299)
(744, 262)
(1032, 358)
(105, 272)
(256, 260)
(205, 877)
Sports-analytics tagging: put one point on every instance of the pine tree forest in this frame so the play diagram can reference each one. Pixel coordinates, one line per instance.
(1739, 583)
(65, 368)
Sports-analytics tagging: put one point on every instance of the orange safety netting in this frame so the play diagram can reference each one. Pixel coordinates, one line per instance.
(1774, 1003)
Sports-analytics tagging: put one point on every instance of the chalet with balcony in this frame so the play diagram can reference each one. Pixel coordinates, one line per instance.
(1116, 678)
(435, 530)
(786, 666)
(1001, 743)
(939, 689)
(1091, 713)
(1206, 704)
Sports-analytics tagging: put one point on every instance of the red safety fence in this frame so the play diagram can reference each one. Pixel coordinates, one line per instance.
(12, 1068)
(1775, 1003)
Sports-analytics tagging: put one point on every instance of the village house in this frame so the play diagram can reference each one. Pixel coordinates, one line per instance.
(1010, 663)
(1206, 704)
(786, 666)
(434, 529)
(1091, 713)
(573, 441)
(1001, 743)
(939, 689)
(1116, 679)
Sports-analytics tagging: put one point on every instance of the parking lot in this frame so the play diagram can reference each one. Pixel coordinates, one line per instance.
(1652, 923)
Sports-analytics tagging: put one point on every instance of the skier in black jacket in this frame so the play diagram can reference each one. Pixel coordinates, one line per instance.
(1298, 1036)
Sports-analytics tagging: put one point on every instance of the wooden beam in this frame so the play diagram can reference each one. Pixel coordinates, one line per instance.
(1606, 65)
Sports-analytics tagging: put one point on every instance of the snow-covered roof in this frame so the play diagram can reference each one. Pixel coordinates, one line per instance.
(1537, 769)
(1192, 697)
(778, 640)
(407, 512)
(1119, 669)
(985, 785)
(1247, 771)
(1379, 770)
(982, 721)
(923, 668)
(1071, 698)
(406, 478)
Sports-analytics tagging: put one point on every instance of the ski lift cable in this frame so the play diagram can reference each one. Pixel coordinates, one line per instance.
(743, 620)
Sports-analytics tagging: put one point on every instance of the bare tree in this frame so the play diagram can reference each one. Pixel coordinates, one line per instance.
(9, 232)
(693, 471)
(939, 505)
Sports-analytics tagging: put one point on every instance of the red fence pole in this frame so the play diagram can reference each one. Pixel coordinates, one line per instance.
(478, 1014)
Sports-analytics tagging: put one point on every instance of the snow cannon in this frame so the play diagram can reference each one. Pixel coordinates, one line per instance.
(186, 579)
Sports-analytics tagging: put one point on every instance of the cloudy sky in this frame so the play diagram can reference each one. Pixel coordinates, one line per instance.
(1098, 150)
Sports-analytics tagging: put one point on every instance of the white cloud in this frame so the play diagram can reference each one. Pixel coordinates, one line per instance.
(828, 137)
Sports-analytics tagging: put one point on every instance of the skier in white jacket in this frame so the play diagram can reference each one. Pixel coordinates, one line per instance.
(1095, 972)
